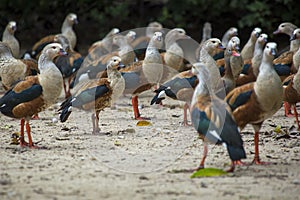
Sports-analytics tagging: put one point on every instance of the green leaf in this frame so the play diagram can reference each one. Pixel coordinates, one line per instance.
(208, 172)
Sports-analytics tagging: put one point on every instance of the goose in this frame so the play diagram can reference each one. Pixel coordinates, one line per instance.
(262, 98)
(213, 120)
(9, 38)
(96, 94)
(248, 49)
(35, 93)
(66, 30)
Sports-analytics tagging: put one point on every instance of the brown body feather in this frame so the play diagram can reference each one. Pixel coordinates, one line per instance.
(290, 95)
(28, 109)
(242, 113)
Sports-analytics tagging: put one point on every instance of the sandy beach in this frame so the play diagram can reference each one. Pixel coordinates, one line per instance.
(126, 161)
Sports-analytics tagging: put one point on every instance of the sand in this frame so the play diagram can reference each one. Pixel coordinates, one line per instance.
(126, 161)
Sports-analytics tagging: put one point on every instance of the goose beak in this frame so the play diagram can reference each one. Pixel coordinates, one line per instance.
(221, 46)
(237, 48)
(273, 52)
(121, 65)
(75, 21)
(159, 38)
(62, 52)
(276, 32)
(234, 53)
(14, 28)
(293, 37)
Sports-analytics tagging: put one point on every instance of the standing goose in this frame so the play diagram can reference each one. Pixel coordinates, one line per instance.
(248, 49)
(251, 66)
(93, 63)
(174, 55)
(141, 42)
(35, 93)
(206, 34)
(262, 98)
(69, 64)
(9, 38)
(124, 51)
(180, 87)
(218, 53)
(206, 58)
(104, 46)
(96, 94)
(290, 84)
(228, 78)
(236, 62)
(66, 30)
(213, 120)
(143, 75)
(286, 28)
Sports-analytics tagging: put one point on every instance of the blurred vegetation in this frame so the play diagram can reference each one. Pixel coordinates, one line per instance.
(37, 18)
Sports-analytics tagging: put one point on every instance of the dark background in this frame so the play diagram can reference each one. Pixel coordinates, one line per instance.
(36, 19)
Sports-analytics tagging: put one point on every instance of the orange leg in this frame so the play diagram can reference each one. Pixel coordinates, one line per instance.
(287, 109)
(95, 121)
(22, 140)
(28, 130)
(29, 134)
(232, 167)
(205, 150)
(256, 159)
(185, 109)
(296, 116)
(67, 91)
(136, 111)
(239, 162)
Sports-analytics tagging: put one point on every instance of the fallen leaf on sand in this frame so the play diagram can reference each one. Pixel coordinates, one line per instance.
(117, 143)
(143, 123)
(208, 172)
(15, 138)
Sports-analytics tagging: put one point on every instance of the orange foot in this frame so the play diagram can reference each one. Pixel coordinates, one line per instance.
(142, 118)
(240, 163)
(289, 114)
(35, 117)
(26, 144)
(257, 161)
